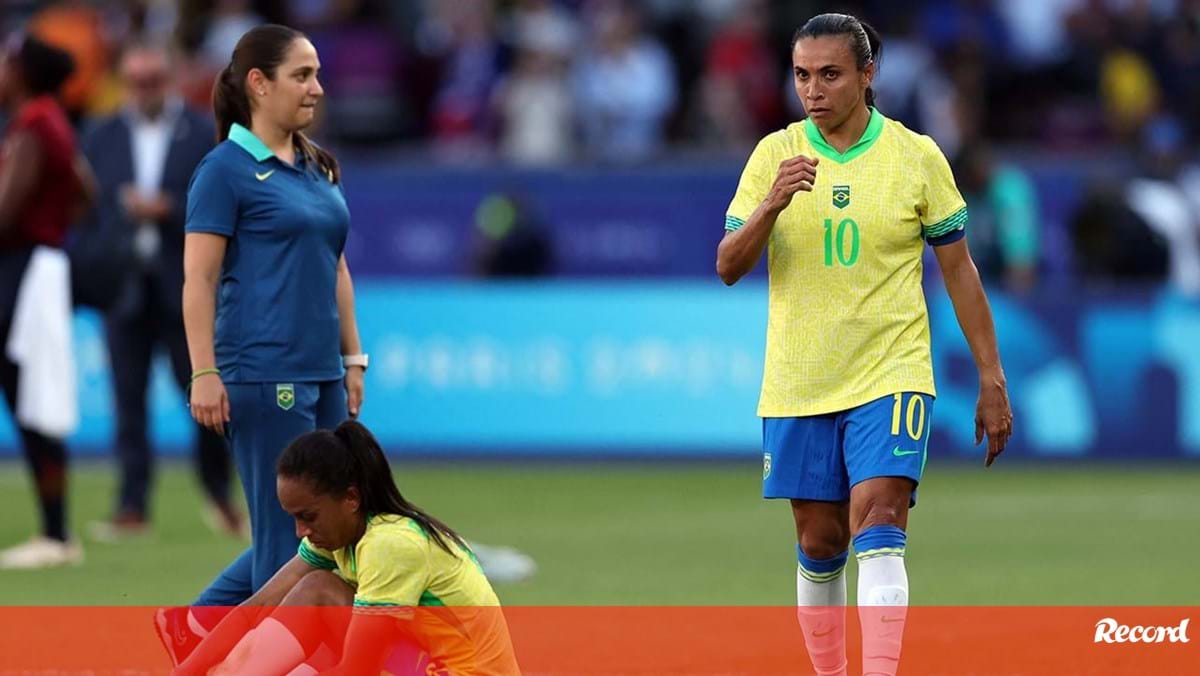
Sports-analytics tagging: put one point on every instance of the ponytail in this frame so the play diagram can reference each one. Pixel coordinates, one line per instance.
(333, 461)
(230, 103)
(875, 42)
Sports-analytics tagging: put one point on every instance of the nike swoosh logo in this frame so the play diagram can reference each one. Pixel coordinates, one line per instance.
(263, 177)
(899, 453)
(889, 620)
(819, 634)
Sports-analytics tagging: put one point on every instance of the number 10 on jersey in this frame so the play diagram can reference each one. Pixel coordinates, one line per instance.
(836, 242)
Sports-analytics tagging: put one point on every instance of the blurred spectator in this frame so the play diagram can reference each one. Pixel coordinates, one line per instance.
(948, 24)
(1159, 198)
(1004, 216)
(625, 87)
(534, 105)
(1112, 243)
(471, 67)
(512, 243)
(907, 73)
(360, 71)
(740, 92)
(1036, 29)
(43, 184)
(78, 28)
(1129, 89)
(226, 23)
(144, 158)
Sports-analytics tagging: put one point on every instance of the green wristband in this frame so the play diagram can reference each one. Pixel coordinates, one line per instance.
(204, 372)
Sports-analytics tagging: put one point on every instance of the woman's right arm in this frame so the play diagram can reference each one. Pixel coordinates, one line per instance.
(236, 624)
(18, 175)
(740, 250)
(203, 254)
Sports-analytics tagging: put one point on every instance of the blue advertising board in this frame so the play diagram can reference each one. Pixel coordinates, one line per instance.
(650, 369)
(419, 221)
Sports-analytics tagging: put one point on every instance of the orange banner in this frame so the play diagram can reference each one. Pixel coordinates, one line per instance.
(691, 640)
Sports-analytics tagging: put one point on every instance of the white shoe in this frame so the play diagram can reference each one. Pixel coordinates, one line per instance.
(41, 552)
(504, 564)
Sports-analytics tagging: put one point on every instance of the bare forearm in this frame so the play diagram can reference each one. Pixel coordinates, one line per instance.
(974, 316)
(18, 177)
(345, 301)
(368, 640)
(199, 317)
(740, 250)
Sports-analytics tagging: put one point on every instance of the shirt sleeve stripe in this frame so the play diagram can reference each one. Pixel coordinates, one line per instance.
(733, 223)
(956, 221)
(314, 559)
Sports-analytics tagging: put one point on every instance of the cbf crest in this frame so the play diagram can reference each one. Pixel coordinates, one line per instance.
(285, 396)
(766, 465)
(841, 196)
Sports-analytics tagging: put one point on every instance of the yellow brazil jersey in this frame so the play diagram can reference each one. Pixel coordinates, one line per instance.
(846, 314)
(396, 565)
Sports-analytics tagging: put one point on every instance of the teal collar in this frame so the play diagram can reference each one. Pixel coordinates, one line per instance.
(250, 143)
(870, 135)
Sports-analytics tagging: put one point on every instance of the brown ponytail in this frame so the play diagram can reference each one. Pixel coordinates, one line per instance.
(263, 47)
(230, 103)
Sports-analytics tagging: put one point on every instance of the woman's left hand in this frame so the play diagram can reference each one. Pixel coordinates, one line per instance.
(354, 390)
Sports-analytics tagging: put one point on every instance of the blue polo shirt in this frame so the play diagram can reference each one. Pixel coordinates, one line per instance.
(277, 315)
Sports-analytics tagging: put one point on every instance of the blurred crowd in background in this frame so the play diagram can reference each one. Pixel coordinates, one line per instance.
(549, 81)
(559, 83)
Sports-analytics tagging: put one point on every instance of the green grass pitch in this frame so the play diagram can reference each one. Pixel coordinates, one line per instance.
(693, 533)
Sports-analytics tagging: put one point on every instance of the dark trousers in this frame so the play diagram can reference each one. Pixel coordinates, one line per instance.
(261, 425)
(132, 340)
(47, 456)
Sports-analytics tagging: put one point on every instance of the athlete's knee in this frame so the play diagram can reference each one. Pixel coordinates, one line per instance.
(882, 510)
(822, 530)
(824, 546)
(319, 588)
(824, 539)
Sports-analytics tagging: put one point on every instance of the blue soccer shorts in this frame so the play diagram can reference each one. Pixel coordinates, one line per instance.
(819, 457)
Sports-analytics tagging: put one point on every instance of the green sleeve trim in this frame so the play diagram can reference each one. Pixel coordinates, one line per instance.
(956, 221)
(733, 223)
(314, 559)
(377, 604)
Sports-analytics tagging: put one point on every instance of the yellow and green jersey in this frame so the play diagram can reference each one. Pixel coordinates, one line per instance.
(846, 313)
(396, 565)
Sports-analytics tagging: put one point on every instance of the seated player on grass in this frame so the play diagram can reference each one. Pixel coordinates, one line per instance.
(375, 580)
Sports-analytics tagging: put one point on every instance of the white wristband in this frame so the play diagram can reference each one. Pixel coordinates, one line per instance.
(349, 360)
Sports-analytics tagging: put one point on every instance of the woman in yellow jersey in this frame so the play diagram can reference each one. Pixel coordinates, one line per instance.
(844, 203)
(420, 600)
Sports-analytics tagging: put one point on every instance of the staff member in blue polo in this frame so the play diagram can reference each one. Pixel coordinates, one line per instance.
(267, 298)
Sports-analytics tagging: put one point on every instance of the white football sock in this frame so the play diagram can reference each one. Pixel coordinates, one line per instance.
(821, 609)
(882, 609)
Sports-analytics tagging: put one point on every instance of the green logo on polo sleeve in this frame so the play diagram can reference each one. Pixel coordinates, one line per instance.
(285, 396)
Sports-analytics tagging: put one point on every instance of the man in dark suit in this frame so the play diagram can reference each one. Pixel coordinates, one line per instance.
(144, 158)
